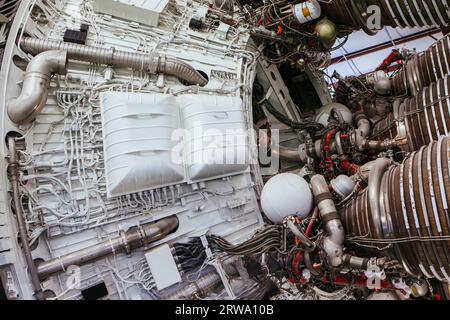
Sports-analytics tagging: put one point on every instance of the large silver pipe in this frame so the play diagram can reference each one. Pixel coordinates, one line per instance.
(334, 241)
(362, 131)
(333, 244)
(33, 96)
(151, 63)
(14, 177)
(286, 153)
(375, 199)
(125, 242)
(200, 287)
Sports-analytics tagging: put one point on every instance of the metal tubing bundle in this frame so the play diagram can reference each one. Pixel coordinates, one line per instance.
(418, 120)
(404, 212)
(424, 68)
(110, 56)
(399, 13)
(264, 241)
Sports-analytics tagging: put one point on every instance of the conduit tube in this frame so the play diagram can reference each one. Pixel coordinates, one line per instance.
(110, 56)
(286, 153)
(334, 240)
(125, 242)
(405, 211)
(201, 286)
(33, 96)
(14, 177)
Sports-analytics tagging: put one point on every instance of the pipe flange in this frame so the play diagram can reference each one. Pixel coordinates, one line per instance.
(125, 243)
(143, 236)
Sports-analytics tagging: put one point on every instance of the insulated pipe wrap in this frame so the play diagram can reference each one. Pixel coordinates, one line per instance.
(333, 242)
(139, 61)
(413, 222)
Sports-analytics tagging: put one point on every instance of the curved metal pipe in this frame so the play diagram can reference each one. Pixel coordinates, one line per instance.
(110, 56)
(334, 241)
(201, 286)
(375, 175)
(126, 242)
(33, 96)
(286, 153)
(362, 131)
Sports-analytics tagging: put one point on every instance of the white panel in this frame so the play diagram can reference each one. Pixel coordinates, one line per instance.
(163, 267)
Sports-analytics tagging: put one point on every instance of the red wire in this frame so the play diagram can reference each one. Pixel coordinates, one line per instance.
(298, 255)
(311, 222)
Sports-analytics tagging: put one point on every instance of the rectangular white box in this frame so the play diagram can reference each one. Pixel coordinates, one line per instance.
(163, 267)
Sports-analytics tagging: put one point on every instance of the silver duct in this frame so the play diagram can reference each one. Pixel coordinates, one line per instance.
(424, 68)
(334, 241)
(125, 242)
(286, 153)
(33, 96)
(14, 177)
(110, 56)
(202, 287)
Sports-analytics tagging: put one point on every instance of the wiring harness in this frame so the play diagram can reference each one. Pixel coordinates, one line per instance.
(270, 238)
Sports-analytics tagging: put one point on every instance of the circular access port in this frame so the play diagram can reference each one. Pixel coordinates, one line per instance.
(202, 73)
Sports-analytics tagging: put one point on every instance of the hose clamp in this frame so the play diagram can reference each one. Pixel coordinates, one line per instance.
(125, 243)
(143, 236)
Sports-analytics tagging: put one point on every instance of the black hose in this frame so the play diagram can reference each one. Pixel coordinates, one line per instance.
(308, 125)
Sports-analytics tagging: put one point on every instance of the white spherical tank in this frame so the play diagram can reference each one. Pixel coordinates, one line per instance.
(323, 114)
(286, 194)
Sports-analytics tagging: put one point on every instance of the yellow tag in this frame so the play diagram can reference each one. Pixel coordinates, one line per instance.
(306, 12)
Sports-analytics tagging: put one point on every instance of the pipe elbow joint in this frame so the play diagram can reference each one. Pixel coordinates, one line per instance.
(33, 95)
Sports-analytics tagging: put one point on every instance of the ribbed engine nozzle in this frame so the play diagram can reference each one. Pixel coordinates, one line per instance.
(420, 119)
(424, 68)
(358, 14)
(404, 212)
